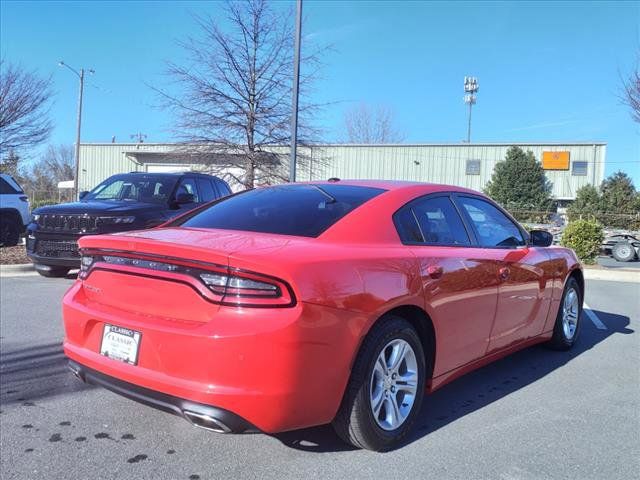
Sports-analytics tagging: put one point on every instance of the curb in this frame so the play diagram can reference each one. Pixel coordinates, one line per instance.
(613, 275)
(17, 269)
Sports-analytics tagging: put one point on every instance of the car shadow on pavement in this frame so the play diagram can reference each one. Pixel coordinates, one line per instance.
(31, 373)
(476, 389)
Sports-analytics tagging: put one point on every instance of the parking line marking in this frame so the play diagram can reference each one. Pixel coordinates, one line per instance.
(593, 317)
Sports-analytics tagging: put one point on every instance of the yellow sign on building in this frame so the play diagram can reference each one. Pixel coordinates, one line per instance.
(555, 160)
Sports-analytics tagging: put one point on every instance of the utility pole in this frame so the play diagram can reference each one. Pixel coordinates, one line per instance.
(296, 86)
(471, 87)
(80, 75)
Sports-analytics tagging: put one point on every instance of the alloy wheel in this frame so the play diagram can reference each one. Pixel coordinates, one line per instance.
(394, 382)
(570, 312)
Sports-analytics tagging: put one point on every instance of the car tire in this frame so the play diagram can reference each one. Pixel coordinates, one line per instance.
(388, 387)
(9, 231)
(51, 272)
(623, 252)
(569, 318)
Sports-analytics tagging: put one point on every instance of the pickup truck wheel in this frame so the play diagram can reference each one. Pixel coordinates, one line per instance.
(51, 272)
(9, 232)
(623, 252)
(568, 320)
(386, 388)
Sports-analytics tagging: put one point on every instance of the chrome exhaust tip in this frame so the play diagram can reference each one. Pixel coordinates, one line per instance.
(206, 421)
(76, 371)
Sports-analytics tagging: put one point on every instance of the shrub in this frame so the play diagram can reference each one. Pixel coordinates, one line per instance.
(585, 238)
(41, 203)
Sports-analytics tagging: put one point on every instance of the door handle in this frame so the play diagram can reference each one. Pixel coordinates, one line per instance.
(503, 273)
(434, 271)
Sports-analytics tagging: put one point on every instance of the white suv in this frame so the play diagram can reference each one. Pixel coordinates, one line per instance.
(14, 211)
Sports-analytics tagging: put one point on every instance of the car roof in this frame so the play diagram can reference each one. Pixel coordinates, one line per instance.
(396, 185)
(373, 222)
(170, 174)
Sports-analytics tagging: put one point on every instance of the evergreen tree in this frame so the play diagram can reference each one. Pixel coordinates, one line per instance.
(519, 182)
(618, 194)
(588, 203)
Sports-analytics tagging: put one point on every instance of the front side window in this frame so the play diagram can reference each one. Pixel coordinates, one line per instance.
(133, 188)
(438, 222)
(303, 210)
(493, 228)
(188, 186)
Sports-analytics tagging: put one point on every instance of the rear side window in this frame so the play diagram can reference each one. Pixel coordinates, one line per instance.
(302, 210)
(493, 228)
(437, 220)
(407, 226)
(207, 193)
(223, 188)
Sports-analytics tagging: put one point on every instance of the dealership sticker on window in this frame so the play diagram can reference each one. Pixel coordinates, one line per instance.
(120, 344)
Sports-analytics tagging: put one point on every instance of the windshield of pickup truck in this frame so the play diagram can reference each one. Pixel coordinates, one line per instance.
(133, 188)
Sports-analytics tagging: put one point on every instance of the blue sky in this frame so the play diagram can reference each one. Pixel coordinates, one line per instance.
(548, 71)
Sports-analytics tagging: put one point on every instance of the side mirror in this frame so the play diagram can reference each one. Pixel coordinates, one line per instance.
(540, 238)
(83, 194)
(183, 198)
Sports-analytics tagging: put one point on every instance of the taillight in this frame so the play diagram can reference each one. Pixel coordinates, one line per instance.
(230, 286)
(85, 265)
(238, 286)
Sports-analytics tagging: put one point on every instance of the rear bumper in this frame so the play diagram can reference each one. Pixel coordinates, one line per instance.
(276, 369)
(204, 416)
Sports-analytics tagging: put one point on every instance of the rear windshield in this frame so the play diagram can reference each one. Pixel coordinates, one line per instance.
(304, 210)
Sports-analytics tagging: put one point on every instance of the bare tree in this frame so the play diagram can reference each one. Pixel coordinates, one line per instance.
(234, 93)
(366, 124)
(631, 93)
(40, 179)
(24, 108)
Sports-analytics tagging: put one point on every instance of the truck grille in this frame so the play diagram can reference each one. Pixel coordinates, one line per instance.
(57, 248)
(67, 223)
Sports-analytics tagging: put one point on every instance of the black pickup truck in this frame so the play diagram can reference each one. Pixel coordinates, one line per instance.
(131, 201)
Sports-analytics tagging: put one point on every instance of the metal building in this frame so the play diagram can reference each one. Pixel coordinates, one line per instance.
(568, 166)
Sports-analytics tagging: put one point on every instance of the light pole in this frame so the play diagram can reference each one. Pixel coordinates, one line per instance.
(80, 75)
(471, 87)
(296, 86)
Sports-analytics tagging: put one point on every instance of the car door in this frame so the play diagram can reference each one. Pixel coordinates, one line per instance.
(460, 285)
(523, 294)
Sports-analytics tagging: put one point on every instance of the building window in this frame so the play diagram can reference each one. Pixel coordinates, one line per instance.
(579, 168)
(473, 167)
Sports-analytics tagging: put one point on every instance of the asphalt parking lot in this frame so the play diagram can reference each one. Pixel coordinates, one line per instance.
(536, 414)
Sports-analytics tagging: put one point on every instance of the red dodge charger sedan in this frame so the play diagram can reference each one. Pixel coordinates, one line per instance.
(303, 304)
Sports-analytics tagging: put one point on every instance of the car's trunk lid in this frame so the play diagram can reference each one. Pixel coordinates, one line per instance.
(149, 288)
